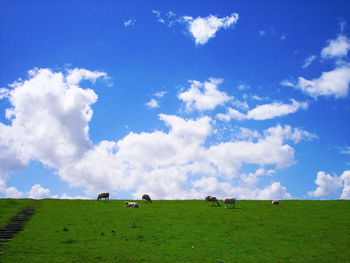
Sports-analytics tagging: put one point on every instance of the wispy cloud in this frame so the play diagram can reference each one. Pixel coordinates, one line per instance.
(264, 112)
(130, 22)
(308, 61)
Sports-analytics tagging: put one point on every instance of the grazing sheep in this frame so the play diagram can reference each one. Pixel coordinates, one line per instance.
(103, 195)
(275, 202)
(211, 199)
(131, 204)
(230, 201)
(146, 198)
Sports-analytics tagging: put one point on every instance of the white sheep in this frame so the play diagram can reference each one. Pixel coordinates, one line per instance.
(275, 202)
(229, 200)
(131, 204)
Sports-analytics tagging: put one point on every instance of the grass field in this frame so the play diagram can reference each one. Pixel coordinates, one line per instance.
(182, 231)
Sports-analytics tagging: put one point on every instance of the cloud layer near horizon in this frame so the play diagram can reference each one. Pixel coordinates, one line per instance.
(50, 116)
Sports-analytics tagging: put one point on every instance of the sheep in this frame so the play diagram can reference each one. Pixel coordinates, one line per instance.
(228, 200)
(131, 204)
(146, 198)
(103, 195)
(211, 199)
(275, 202)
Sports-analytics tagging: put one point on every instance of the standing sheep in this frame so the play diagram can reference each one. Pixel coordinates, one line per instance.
(103, 195)
(275, 202)
(230, 201)
(211, 199)
(146, 198)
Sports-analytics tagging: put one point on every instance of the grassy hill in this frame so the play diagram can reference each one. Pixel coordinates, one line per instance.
(183, 231)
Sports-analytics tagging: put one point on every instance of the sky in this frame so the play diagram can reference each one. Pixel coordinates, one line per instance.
(177, 99)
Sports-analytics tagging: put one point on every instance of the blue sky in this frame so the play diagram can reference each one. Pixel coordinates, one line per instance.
(176, 99)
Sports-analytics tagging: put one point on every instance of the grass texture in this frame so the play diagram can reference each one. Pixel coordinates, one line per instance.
(183, 231)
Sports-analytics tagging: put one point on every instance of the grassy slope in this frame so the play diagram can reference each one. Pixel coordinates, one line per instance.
(9, 207)
(184, 231)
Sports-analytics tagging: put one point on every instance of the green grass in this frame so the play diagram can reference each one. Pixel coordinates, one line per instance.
(184, 231)
(9, 207)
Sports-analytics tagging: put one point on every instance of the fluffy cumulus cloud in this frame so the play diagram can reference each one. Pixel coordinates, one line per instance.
(204, 96)
(346, 190)
(274, 191)
(204, 28)
(338, 47)
(264, 112)
(327, 185)
(49, 117)
(13, 192)
(49, 120)
(333, 83)
(39, 192)
(152, 103)
(246, 190)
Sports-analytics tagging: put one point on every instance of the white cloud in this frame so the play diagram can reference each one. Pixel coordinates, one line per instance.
(76, 75)
(204, 96)
(346, 190)
(308, 61)
(256, 97)
(130, 22)
(39, 192)
(246, 190)
(4, 93)
(170, 14)
(247, 134)
(337, 48)
(228, 157)
(231, 114)
(269, 111)
(49, 118)
(264, 112)
(243, 87)
(13, 192)
(65, 196)
(162, 163)
(49, 123)
(327, 185)
(156, 12)
(333, 83)
(160, 94)
(346, 150)
(152, 104)
(274, 191)
(240, 104)
(204, 28)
